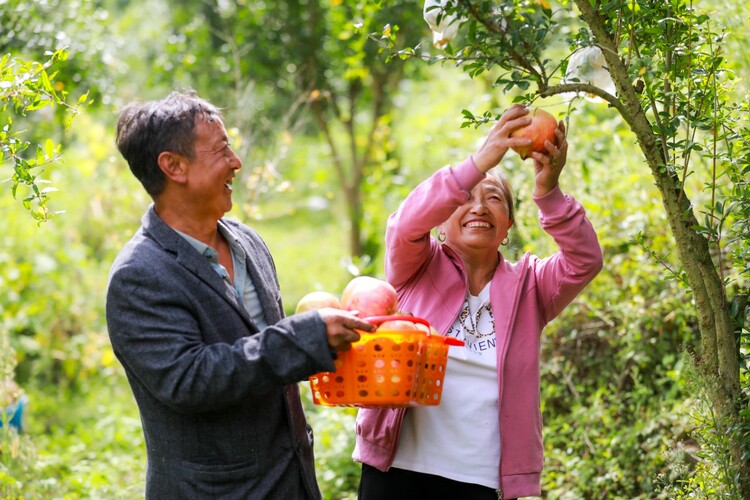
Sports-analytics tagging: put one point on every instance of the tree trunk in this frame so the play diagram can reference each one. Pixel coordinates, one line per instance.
(351, 171)
(354, 203)
(718, 360)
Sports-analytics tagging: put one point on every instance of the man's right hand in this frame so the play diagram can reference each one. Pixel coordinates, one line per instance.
(341, 327)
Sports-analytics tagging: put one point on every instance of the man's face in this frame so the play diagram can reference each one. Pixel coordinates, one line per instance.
(212, 169)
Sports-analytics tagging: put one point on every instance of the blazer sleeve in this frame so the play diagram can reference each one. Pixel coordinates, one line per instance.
(191, 349)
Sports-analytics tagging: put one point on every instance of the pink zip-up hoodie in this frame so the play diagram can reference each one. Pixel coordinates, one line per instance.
(525, 296)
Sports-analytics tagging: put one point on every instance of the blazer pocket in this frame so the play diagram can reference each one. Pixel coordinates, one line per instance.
(207, 479)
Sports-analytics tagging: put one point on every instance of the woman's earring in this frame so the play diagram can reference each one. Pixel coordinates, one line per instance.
(441, 236)
(505, 241)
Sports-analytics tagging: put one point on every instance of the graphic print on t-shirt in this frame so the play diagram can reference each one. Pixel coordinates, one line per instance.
(475, 325)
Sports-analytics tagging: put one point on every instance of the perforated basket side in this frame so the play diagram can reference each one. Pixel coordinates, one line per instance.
(431, 373)
(330, 388)
(379, 370)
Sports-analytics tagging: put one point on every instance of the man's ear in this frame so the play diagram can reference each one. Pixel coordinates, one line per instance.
(173, 166)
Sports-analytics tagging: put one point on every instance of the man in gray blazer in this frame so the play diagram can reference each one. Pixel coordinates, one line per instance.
(195, 316)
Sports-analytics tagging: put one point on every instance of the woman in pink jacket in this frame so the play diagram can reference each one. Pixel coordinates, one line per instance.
(484, 440)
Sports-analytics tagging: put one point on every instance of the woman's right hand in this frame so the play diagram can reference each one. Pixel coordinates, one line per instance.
(498, 141)
(549, 164)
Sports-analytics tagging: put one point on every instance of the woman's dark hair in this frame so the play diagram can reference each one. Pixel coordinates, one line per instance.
(507, 191)
(145, 130)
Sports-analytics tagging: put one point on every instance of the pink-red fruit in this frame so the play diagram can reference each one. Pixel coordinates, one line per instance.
(317, 300)
(369, 297)
(541, 129)
(398, 324)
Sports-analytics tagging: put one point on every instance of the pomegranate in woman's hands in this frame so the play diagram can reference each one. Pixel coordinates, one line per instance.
(541, 129)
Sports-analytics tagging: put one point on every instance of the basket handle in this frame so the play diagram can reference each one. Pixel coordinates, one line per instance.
(452, 341)
(376, 320)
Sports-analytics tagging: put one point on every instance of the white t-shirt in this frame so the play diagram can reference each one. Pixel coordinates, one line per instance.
(460, 438)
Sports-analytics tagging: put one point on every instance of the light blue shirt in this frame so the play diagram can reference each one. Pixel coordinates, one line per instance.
(243, 284)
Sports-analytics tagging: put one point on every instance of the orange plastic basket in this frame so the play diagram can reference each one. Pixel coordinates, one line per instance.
(387, 368)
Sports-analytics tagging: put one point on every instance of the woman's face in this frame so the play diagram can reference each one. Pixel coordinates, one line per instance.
(482, 223)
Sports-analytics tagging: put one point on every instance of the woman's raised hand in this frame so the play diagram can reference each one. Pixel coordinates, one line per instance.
(548, 165)
(498, 141)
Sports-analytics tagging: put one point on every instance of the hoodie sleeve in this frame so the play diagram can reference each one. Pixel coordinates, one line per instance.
(563, 275)
(407, 237)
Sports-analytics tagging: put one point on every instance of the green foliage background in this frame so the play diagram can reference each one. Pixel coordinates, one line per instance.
(623, 415)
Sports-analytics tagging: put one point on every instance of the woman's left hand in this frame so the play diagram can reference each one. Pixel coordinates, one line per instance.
(549, 165)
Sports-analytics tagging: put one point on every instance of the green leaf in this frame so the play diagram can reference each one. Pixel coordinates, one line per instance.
(49, 149)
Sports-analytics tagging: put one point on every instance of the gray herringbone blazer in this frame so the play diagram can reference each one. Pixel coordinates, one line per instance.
(218, 399)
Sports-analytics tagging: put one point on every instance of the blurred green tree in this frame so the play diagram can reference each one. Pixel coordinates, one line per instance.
(27, 87)
(307, 66)
(55, 60)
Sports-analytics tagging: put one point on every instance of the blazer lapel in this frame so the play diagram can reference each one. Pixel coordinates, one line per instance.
(268, 302)
(191, 260)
